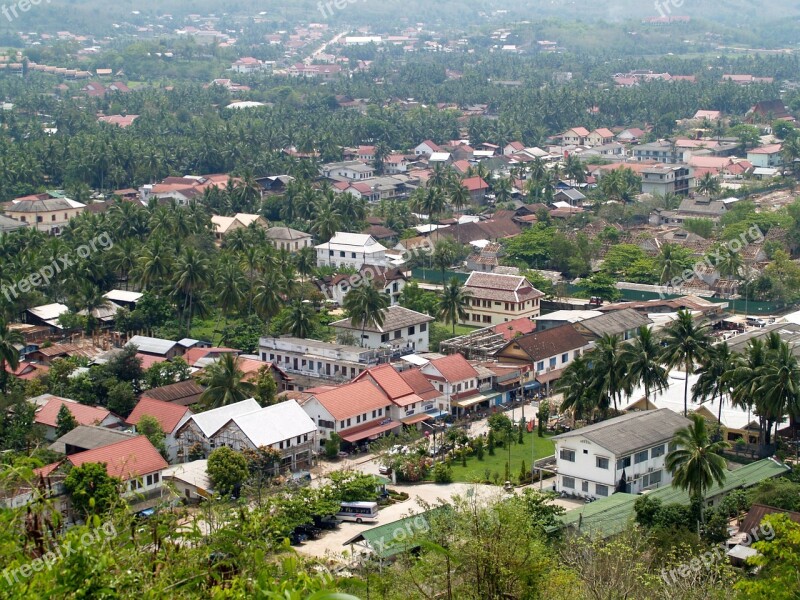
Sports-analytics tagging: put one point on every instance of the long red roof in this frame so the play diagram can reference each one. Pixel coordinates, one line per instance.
(124, 460)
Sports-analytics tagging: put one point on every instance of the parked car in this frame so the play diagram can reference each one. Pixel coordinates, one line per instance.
(311, 532)
(384, 470)
(326, 522)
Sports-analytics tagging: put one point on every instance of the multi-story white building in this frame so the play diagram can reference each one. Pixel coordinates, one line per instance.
(455, 379)
(318, 360)
(595, 460)
(495, 298)
(352, 170)
(402, 330)
(352, 250)
(49, 212)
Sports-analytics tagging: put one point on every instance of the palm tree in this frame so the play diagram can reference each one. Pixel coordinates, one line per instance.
(686, 343)
(730, 264)
(697, 462)
(366, 307)
(575, 384)
(9, 355)
(191, 275)
(609, 368)
(301, 320)
(712, 382)
(306, 261)
(267, 300)
(669, 263)
(453, 303)
(326, 223)
(642, 360)
(230, 284)
(744, 376)
(779, 387)
(708, 185)
(224, 385)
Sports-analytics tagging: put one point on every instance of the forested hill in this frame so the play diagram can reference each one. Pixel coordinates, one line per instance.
(101, 15)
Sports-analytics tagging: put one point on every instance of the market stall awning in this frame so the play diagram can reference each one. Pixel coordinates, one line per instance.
(357, 434)
(472, 400)
(548, 377)
(416, 418)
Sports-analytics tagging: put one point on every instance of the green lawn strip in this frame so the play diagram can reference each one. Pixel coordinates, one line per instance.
(476, 469)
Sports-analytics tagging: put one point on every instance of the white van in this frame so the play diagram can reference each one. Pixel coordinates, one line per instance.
(360, 512)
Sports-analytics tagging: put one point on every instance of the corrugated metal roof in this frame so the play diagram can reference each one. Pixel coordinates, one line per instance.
(152, 345)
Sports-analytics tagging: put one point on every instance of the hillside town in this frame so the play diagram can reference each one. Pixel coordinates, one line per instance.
(300, 301)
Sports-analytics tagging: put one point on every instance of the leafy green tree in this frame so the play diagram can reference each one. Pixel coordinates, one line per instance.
(65, 421)
(266, 388)
(121, 398)
(353, 486)
(91, 489)
(778, 560)
(227, 470)
(601, 285)
(332, 446)
(150, 427)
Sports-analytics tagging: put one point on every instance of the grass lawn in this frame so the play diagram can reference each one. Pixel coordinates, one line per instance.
(476, 469)
(460, 329)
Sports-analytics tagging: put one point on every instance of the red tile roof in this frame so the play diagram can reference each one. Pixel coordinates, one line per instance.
(125, 460)
(353, 399)
(167, 414)
(388, 379)
(195, 354)
(84, 415)
(473, 184)
(510, 329)
(420, 384)
(454, 368)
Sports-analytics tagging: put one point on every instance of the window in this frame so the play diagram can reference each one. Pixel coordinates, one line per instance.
(564, 357)
(673, 446)
(374, 414)
(602, 463)
(601, 490)
(341, 424)
(397, 334)
(341, 254)
(540, 365)
(655, 477)
(585, 487)
(585, 451)
(568, 482)
(327, 424)
(385, 337)
(553, 362)
(657, 451)
(411, 331)
(423, 328)
(358, 419)
(568, 455)
(640, 457)
(623, 463)
(348, 422)
(52, 217)
(280, 446)
(352, 255)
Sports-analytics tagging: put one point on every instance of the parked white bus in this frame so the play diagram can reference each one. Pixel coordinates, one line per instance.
(360, 512)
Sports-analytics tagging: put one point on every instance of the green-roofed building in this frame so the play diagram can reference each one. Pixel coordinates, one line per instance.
(611, 515)
(386, 541)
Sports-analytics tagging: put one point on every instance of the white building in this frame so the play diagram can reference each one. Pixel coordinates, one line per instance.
(403, 330)
(357, 412)
(352, 170)
(455, 379)
(495, 298)
(595, 460)
(351, 250)
(317, 360)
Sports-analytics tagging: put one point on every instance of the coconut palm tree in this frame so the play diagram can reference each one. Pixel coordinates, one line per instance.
(306, 261)
(730, 264)
(708, 185)
(779, 387)
(744, 375)
(366, 307)
(224, 383)
(267, 300)
(301, 320)
(609, 368)
(644, 367)
(712, 382)
(453, 303)
(191, 275)
(696, 462)
(685, 344)
(669, 263)
(9, 355)
(229, 289)
(575, 384)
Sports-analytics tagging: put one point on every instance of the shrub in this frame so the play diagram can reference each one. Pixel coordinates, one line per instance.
(442, 473)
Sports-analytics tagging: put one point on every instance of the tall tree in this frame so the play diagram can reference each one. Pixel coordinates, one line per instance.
(453, 303)
(697, 461)
(712, 382)
(642, 357)
(610, 369)
(685, 344)
(366, 307)
(225, 384)
(9, 354)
